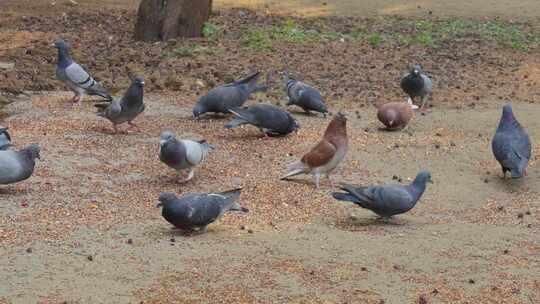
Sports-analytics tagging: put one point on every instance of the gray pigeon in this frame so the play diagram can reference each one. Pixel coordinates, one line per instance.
(5, 139)
(75, 77)
(182, 154)
(127, 108)
(271, 120)
(304, 96)
(511, 144)
(16, 166)
(194, 212)
(417, 84)
(388, 200)
(228, 96)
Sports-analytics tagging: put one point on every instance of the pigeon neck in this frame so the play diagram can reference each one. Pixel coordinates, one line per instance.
(418, 187)
(508, 120)
(64, 60)
(135, 94)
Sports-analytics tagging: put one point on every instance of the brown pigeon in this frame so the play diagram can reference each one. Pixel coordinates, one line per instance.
(395, 115)
(326, 155)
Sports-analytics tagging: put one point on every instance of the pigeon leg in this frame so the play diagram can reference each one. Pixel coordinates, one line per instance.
(423, 107)
(115, 127)
(133, 125)
(317, 179)
(188, 178)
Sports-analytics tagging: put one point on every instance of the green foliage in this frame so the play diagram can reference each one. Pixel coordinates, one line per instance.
(258, 39)
(210, 30)
(375, 39)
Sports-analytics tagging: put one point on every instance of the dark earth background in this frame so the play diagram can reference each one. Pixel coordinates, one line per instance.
(84, 228)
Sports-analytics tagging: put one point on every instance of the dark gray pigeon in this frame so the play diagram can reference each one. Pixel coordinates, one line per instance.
(16, 166)
(127, 108)
(511, 144)
(388, 200)
(75, 77)
(194, 212)
(271, 120)
(304, 96)
(228, 96)
(417, 84)
(5, 139)
(182, 154)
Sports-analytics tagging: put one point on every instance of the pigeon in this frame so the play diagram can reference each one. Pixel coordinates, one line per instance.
(304, 96)
(182, 154)
(511, 144)
(417, 84)
(194, 212)
(16, 166)
(395, 115)
(388, 200)
(228, 96)
(5, 139)
(127, 108)
(75, 77)
(326, 155)
(271, 120)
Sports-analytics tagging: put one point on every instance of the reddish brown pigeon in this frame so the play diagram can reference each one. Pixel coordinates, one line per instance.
(326, 155)
(395, 115)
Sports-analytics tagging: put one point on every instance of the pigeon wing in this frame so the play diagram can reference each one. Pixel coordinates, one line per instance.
(323, 152)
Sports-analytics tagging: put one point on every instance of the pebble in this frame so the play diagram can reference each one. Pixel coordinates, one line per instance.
(130, 241)
(29, 250)
(422, 300)
(90, 258)
(471, 281)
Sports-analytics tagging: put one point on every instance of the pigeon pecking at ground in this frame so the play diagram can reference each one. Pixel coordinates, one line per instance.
(5, 139)
(75, 77)
(182, 154)
(326, 155)
(127, 108)
(16, 166)
(271, 120)
(388, 200)
(511, 145)
(228, 96)
(395, 115)
(194, 212)
(304, 96)
(417, 84)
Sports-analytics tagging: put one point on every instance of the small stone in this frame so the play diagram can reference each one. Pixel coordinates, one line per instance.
(395, 177)
(435, 291)
(422, 300)
(471, 281)
(438, 134)
(437, 146)
(515, 290)
(423, 113)
(250, 231)
(173, 240)
(500, 208)
(130, 241)
(528, 212)
(486, 180)
(29, 250)
(243, 227)
(506, 251)
(90, 258)
(453, 144)
(400, 180)
(396, 146)
(363, 268)
(520, 215)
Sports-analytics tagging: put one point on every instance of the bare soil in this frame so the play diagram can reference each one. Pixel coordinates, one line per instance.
(84, 228)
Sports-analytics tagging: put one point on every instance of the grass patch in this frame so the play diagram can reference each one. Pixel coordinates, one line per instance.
(210, 30)
(428, 33)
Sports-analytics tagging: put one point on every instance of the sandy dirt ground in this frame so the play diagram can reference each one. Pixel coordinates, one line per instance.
(84, 228)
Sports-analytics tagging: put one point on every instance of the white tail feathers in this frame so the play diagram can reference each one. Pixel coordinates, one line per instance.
(413, 106)
(296, 168)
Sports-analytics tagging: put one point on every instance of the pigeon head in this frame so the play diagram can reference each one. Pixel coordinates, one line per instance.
(60, 44)
(199, 108)
(508, 114)
(138, 81)
(165, 137)
(32, 151)
(423, 178)
(165, 198)
(416, 70)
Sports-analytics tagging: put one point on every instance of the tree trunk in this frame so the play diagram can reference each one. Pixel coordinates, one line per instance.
(166, 19)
